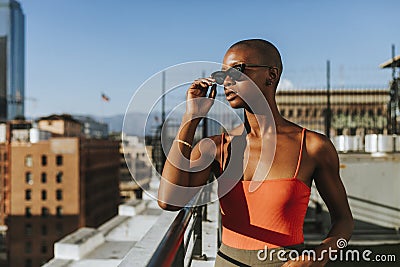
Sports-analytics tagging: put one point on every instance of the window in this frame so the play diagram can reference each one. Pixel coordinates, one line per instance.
(44, 178)
(28, 247)
(43, 248)
(59, 194)
(44, 229)
(59, 160)
(28, 263)
(28, 229)
(59, 211)
(28, 194)
(44, 194)
(59, 228)
(28, 178)
(299, 112)
(290, 113)
(45, 212)
(44, 160)
(28, 212)
(28, 161)
(59, 177)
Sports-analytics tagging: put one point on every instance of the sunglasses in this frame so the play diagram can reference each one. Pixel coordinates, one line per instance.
(235, 72)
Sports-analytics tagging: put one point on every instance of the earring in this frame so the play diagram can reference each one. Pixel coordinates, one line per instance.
(268, 82)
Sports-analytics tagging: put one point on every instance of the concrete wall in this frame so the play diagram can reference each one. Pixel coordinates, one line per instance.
(372, 184)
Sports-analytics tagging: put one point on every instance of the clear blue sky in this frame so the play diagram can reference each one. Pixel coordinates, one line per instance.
(76, 49)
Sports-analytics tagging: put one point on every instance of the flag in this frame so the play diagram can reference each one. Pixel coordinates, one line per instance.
(105, 98)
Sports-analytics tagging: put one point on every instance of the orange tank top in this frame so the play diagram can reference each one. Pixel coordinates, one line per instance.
(272, 216)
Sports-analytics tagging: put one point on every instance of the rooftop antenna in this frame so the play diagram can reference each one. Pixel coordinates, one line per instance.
(328, 100)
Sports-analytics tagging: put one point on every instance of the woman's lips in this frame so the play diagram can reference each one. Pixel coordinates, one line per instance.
(230, 94)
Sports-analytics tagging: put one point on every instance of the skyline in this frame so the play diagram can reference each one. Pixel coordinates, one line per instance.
(113, 49)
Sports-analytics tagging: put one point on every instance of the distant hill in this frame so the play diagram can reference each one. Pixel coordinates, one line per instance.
(135, 123)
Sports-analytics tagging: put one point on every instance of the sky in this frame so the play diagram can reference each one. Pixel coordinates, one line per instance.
(78, 49)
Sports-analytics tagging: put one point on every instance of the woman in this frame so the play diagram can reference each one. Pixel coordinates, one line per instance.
(266, 205)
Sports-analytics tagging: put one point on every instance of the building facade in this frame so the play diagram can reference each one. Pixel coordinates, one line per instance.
(135, 166)
(12, 60)
(51, 188)
(60, 125)
(352, 111)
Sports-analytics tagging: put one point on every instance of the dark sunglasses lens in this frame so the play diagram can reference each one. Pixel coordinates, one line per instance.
(219, 77)
(235, 73)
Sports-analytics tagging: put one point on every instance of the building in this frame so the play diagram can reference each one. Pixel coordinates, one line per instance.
(353, 111)
(3, 174)
(135, 167)
(60, 125)
(12, 60)
(92, 128)
(53, 187)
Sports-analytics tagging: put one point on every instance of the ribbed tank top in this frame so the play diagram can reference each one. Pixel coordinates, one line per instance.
(272, 216)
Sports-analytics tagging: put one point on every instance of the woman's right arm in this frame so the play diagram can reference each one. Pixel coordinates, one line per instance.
(186, 168)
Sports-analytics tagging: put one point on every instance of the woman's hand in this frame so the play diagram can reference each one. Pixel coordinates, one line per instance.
(197, 104)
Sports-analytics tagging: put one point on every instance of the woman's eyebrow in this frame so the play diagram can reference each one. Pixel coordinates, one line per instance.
(226, 67)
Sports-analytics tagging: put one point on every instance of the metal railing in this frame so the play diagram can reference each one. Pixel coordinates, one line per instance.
(173, 248)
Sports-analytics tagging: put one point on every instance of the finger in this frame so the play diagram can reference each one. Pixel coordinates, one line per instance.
(213, 92)
(207, 80)
(199, 85)
(210, 79)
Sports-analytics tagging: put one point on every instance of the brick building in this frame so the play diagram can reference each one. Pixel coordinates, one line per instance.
(53, 187)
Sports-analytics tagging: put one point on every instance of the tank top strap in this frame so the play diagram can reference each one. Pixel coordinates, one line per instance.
(221, 165)
(300, 152)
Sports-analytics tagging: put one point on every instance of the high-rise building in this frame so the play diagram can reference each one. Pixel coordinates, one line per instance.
(12, 60)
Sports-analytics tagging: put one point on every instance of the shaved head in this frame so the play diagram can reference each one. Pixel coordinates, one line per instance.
(266, 51)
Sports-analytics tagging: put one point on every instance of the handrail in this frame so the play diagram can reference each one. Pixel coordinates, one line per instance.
(373, 203)
(172, 243)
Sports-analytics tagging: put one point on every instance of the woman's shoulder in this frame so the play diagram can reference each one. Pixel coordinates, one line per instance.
(318, 144)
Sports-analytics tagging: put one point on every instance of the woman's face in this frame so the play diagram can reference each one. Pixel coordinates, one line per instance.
(241, 93)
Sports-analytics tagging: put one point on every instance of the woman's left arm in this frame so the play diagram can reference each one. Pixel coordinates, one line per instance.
(330, 187)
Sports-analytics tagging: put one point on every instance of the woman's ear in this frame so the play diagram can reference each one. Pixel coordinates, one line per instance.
(273, 72)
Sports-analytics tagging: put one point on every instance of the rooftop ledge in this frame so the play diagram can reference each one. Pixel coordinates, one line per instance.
(108, 244)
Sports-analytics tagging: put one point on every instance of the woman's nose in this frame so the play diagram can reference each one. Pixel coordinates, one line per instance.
(229, 81)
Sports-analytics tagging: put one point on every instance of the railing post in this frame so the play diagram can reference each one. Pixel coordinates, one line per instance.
(219, 237)
(207, 197)
(198, 236)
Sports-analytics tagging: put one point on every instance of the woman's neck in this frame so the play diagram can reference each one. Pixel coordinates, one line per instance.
(265, 122)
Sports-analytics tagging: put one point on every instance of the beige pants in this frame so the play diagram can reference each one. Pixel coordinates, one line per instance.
(233, 257)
